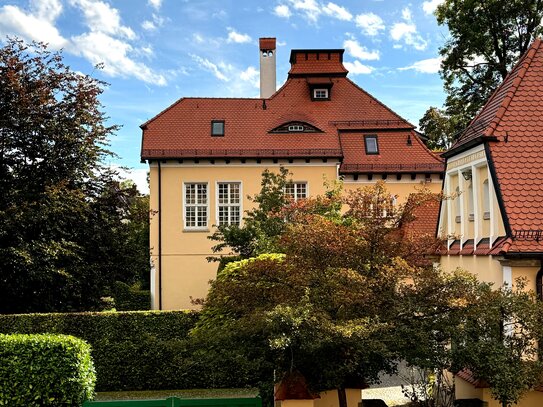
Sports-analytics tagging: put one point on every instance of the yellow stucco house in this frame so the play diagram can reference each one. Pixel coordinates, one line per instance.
(494, 224)
(207, 154)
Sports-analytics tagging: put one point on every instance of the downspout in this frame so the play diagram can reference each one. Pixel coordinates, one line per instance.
(159, 236)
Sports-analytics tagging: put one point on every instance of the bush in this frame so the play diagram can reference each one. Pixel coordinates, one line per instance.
(138, 350)
(45, 370)
(131, 298)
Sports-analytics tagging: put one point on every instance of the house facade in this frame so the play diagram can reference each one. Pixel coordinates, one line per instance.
(493, 217)
(206, 155)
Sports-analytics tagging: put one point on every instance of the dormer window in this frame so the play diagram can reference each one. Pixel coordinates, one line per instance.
(296, 127)
(217, 128)
(372, 147)
(321, 94)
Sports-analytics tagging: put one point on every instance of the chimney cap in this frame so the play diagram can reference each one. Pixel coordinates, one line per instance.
(267, 43)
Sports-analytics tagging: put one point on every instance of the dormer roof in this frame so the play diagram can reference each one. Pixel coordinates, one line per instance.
(511, 125)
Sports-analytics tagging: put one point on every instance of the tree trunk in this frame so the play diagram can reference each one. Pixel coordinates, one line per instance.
(342, 396)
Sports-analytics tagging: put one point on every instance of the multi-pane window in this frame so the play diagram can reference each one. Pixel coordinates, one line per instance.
(320, 93)
(296, 190)
(196, 205)
(229, 203)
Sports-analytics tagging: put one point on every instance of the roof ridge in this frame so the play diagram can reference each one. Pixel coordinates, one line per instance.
(523, 64)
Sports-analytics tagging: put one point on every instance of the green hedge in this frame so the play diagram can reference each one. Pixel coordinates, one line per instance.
(138, 350)
(45, 370)
(131, 298)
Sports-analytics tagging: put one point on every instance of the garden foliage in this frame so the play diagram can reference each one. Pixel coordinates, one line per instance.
(131, 350)
(45, 370)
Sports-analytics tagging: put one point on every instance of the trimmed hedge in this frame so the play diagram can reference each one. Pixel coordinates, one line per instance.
(45, 370)
(131, 298)
(137, 350)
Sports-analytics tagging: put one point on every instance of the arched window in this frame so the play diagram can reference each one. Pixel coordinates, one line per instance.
(486, 200)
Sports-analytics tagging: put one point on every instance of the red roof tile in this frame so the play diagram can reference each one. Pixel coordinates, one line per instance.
(183, 130)
(425, 215)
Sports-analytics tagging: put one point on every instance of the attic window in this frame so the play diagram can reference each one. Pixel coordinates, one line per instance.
(217, 128)
(372, 147)
(296, 127)
(321, 94)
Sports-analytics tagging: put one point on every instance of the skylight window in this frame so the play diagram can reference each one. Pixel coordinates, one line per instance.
(372, 147)
(217, 128)
(296, 127)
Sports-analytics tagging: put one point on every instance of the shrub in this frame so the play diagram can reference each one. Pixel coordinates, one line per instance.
(137, 350)
(45, 370)
(131, 298)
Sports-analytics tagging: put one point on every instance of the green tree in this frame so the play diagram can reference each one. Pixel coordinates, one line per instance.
(499, 342)
(60, 208)
(487, 37)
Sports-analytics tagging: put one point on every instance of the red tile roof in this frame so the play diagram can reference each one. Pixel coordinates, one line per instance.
(183, 130)
(316, 62)
(512, 123)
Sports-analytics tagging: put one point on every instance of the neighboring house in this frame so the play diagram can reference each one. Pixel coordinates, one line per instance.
(494, 174)
(207, 154)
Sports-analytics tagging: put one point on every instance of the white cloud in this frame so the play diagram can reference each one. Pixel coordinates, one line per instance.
(148, 25)
(101, 17)
(430, 65)
(339, 12)
(251, 75)
(216, 69)
(357, 68)
(99, 47)
(430, 6)
(107, 41)
(370, 23)
(36, 25)
(155, 23)
(155, 3)
(46, 9)
(282, 10)
(358, 51)
(234, 36)
(406, 32)
(310, 8)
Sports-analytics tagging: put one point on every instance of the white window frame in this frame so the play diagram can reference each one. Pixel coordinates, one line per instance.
(196, 205)
(229, 204)
(325, 93)
(295, 196)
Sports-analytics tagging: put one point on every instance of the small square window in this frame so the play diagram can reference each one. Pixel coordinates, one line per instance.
(217, 127)
(371, 145)
(320, 93)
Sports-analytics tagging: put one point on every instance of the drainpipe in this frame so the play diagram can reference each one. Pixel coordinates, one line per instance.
(159, 236)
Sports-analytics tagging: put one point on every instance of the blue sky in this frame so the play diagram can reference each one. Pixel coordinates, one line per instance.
(157, 51)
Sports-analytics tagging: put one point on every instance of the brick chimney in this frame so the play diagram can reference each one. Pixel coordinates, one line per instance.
(267, 67)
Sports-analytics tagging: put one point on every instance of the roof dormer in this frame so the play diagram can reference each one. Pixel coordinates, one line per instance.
(317, 62)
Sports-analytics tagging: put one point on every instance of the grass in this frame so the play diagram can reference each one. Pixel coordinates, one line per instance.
(184, 394)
